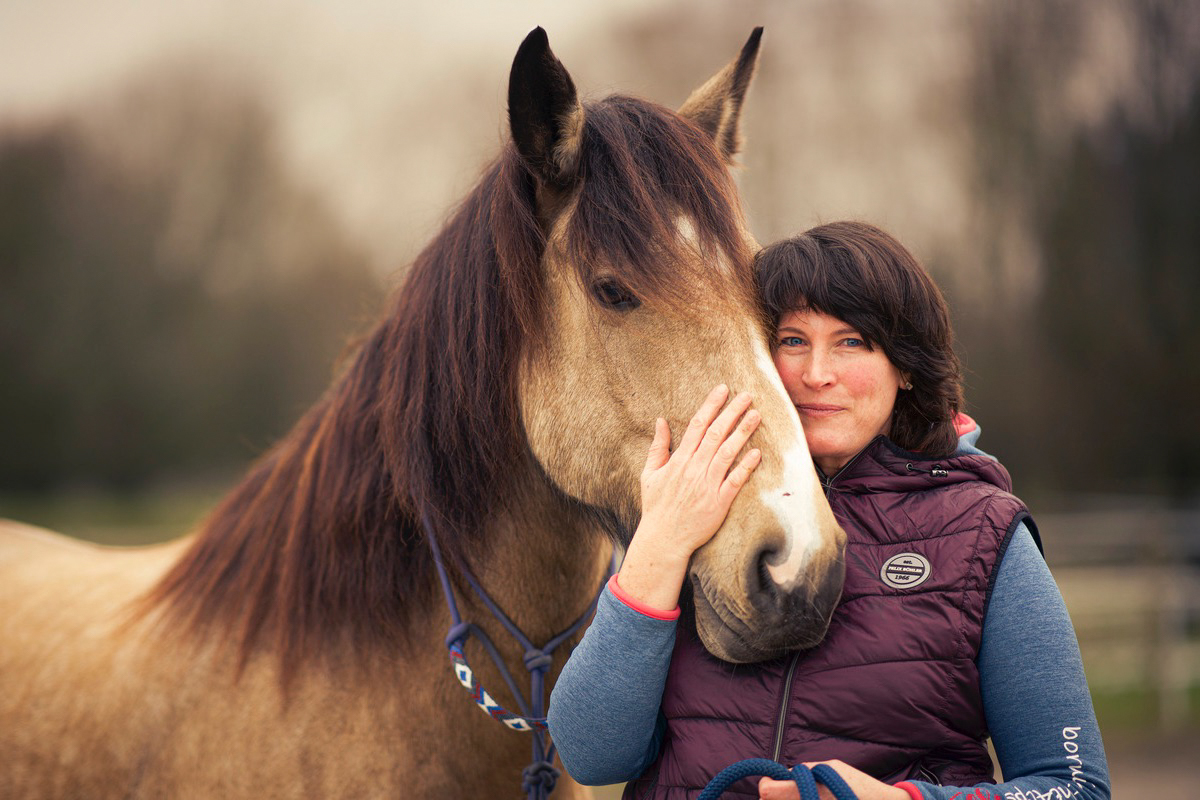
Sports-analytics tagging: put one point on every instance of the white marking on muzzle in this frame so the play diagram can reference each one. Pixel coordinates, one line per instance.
(792, 499)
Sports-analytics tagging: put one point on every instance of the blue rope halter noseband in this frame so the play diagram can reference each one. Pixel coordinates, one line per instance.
(539, 777)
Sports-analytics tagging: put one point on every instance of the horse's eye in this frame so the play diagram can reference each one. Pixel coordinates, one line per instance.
(615, 296)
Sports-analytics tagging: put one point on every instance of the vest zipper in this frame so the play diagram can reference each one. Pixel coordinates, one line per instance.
(827, 483)
(928, 776)
(783, 704)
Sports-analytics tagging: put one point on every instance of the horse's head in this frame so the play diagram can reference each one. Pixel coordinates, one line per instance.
(649, 302)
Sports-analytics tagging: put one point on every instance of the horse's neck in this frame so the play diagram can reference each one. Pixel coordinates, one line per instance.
(544, 561)
(543, 564)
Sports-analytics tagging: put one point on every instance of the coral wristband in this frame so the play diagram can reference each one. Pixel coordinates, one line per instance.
(641, 608)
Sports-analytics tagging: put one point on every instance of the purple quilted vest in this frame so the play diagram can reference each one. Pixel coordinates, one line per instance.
(893, 689)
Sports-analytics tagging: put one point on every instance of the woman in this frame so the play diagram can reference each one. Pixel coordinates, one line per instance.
(950, 627)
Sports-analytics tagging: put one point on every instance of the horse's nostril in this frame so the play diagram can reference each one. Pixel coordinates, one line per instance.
(764, 585)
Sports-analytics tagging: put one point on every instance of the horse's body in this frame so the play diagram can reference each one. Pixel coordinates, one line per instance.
(100, 709)
(598, 277)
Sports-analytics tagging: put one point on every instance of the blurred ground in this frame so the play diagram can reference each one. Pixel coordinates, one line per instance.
(1160, 766)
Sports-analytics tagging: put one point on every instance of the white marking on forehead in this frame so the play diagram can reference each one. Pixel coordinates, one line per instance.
(688, 233)
(687, 230)
(792, 499)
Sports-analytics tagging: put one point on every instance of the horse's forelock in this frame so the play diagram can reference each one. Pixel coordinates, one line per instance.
(643, 170)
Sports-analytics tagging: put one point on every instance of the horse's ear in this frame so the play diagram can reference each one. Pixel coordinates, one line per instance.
(717, 105)
(544, 111)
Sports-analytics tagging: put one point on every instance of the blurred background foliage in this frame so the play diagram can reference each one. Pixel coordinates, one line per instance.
(179, 265)
(171, 301)
(1090, 384)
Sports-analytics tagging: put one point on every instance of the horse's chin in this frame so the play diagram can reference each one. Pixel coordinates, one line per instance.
(739, 641)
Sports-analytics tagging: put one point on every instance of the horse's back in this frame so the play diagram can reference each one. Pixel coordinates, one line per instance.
(49, 577)
(69, 659)
(21, 536)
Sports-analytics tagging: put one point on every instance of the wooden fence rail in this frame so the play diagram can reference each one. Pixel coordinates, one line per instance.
(1131, 580)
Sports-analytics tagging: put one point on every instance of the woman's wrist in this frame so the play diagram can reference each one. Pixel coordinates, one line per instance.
(614, 586)
(652, 576)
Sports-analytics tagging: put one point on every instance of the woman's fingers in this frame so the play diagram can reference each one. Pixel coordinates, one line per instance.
(660, 446)
(734, 442)
(769, 789)
(719, 428)
(863, 785)
(686, 494)
(738, 476)
(702, 419)
(710, 445)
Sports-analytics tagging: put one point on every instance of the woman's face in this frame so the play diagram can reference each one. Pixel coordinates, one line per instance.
(843, 389)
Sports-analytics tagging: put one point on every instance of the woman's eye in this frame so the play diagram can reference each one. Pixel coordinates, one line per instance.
(791, 341)
(852, 342)
(611, 294)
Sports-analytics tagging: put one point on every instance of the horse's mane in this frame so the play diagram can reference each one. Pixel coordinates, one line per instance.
(323, 539)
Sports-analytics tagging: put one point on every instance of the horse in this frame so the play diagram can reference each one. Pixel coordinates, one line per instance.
(600, 274)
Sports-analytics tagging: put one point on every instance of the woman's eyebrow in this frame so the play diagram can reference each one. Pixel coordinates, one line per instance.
(838, 332)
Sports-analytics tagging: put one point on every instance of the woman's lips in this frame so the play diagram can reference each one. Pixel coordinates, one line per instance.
(817, 409)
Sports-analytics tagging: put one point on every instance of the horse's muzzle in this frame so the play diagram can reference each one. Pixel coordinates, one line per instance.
(782, 620)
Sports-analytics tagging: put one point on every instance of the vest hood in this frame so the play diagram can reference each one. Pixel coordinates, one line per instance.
(883, 466)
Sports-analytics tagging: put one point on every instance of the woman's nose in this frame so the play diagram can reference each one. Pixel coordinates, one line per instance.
(818, 371)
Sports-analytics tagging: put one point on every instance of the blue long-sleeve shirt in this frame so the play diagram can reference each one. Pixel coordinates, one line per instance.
(604, 710)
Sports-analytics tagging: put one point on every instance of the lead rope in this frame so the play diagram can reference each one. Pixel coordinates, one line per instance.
(537, 779)
(806, 779)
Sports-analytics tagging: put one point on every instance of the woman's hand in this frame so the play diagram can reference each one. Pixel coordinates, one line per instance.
(863, 785)
(686, 495)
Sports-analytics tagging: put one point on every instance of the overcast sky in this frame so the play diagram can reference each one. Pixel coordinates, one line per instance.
(57, 51)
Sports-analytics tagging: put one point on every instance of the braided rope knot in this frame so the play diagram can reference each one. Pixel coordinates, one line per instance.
(538, 660)
(539, 778)
(458, 633)
(539, 775)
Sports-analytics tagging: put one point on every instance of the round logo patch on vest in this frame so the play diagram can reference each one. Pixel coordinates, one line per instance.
(906, 570)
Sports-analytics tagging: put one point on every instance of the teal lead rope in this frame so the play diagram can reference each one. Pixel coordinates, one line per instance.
(806, 779)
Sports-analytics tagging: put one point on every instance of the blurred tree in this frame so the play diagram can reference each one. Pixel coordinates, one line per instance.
(1121, 238)
(1087, 125)
(171, 297)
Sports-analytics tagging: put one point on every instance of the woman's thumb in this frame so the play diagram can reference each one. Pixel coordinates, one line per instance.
(660, 447)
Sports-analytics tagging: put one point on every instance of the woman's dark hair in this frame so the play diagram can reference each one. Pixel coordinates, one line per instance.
(864, 277)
